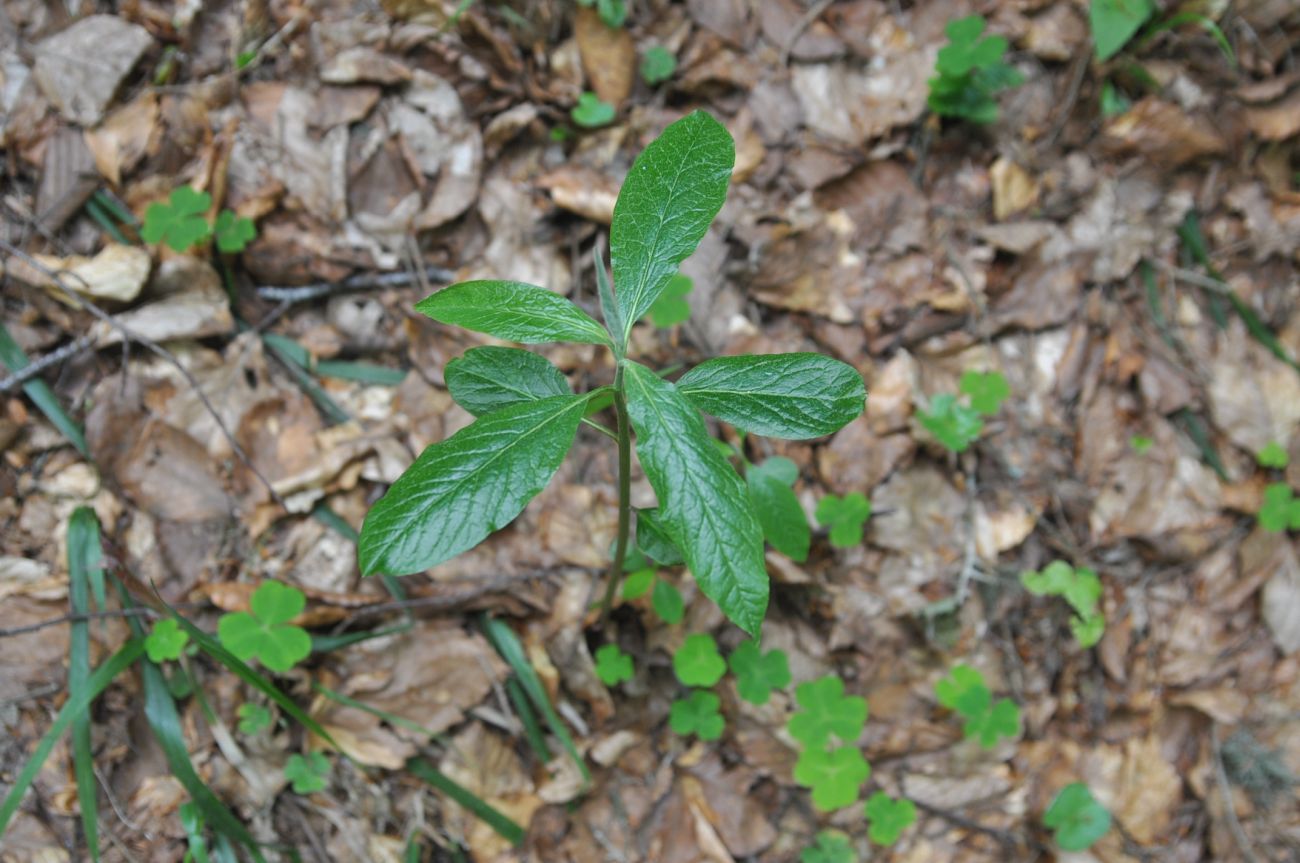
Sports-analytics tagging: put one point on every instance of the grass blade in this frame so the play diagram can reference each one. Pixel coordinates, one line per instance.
(11, 354)
(296, 361)
(532, 729)
(390, 718)
(97, 212)
(494, 818)
(507, 644)
(74, 706)
(83, 559)
(366, 373)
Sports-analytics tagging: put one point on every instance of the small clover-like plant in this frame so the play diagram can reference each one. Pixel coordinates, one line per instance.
(969, 72)
(308, 774)
(771, 491)
(830, 846)
(1273, 455)
(477, 481)
(952, 423)
(612, 12)
(758, 673)
(834, 775)
(965, 692)
(233, 233)
(253, 718)
(1081, 589)
(613, 666)
(697, 714)
(638, 583)
(1076, 818)
(826, 711)
(667, 602)
(657, 65)
(1280, 510)
(671, 308)
(181, 223)
(845, 516)
(987, 390)
(697, 662)
(1140, 444)
(265, 631)
(591, 112)
(1115, 22)
(166, 641)
(888, 818)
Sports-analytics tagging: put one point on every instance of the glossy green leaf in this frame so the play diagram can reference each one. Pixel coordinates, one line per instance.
(758, 673)
(610, 310)
(702, 500)
(1115, 22)
(827, 711)
(888, 817)
(671, 195)
(464, 488)
(490, 378)
(666, 600)
(265, 631)
(234, 232)
(613, 666)
(513, 311)
(1076, 817)
(697, 714)
(671, 307)
(653, 540)
(697, 662)
(638, 583)
(834, 775)
(792, 396)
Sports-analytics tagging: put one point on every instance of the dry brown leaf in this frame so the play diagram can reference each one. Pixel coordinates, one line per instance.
(582, 190)
(1277, 121)
(1280, 601)
(363, 65)
(79, 69)
(125, 137)
(608, 56)
(186, 302)
(117, 273)
(852, 106)
(1165, 133)
(1014, 190)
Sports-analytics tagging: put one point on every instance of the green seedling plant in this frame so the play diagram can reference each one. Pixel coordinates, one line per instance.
(952, 423)
(830, 846)
(253, 719)
(888, 818)
(638, 583)
(166, 641)
(1115, 23)
(771, 492)
(758, 673)
(969, 73)
(964, 692)
(591, 112)
(987, 390)
(667, 602)
(1076, 818)
(1140, 444)
(265, 632)
(834, 775)
(612, 12)
(845, 517)
(308, 774)
(697, 662)
(1273, 456)
(697, 714)
(613, 666)
(181, 222)
(834, 772)
(1081, 589)
(1280, 510)
(657, 65)
(464, 488)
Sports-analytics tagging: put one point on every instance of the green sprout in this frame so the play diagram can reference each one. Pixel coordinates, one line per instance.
(845, 516)
(758, 673)
(166, 641)
(827, 711)
(1081, 588)
(1280, 510)
(613, 666)
(638, 583)
(657, 65)
(234, 233)
(1274, 455)
(1115, 22)
(308, 775)
(1076, 818)
(830, 846)
(266, 633)
(987, 390)
(888, 818)
(591, 112)
(667, 602)
(965, 692)
(697, 714)
(970, 72)
(771, 492)
(1140, 444)
(180, 222)
(697, 662)
(834, 775)
(253, 718)
(953, 424)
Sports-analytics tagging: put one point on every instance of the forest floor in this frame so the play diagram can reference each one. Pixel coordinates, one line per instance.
(1121, 246)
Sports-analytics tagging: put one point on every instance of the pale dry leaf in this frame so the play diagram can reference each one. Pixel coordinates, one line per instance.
(1165, 133)
(363, 65)
(80, 68)
(125, 137)
(1014, 190)
(116, 273)
(608, 56)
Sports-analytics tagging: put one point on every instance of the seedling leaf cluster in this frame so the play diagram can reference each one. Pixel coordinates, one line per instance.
(1080, 588)
(181, 222)
(969, 73)
(964, 692)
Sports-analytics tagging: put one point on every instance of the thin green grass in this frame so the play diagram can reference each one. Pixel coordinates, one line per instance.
(83, 559)
(12, 355)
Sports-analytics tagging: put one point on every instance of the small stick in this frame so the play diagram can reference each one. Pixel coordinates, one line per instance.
(53, 358)
(364, 281)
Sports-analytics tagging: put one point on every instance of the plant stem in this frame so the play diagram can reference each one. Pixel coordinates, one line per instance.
(624, 432)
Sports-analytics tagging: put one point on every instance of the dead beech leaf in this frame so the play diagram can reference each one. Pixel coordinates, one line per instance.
(1014, 191)
(190, 304)
(363, 65)
(79, 69)
(116, 273)
(1164, 132)
(125, 137)
(852, 106)
(608, 56)
(1280, 602)
(1277, 121)
(582, 190)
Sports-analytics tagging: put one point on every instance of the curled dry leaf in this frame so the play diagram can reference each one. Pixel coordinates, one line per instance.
(79, 69)
(117, 273)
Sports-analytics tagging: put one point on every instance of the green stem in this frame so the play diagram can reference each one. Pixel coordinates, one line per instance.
(624, 432)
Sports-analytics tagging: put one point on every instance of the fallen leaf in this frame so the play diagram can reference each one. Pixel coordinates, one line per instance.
(116, 273)
(79, 69)
(125, 137)
(1165, 133)
(1014, 190)
(608, 56)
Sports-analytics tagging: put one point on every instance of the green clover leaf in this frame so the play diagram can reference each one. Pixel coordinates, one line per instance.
(253, 718)
(987, 390)
(1076, 817)
(1088, 628)
(831, 846)
(698, 715)
(833, 775)
(1001, 720)
(233, 232)
(964, 691)
(166, 641)
(591, 112)
(888, 817)
(613, 665)
(1140, 444)
(697, 662)
(1054, 580)
(180, 222)
(1280, 510)
(266, 633)
(671, 307)
(309, 774)
(826, 711)
(638, 583)
(845, 517)
(657, 65)
(1081, 588)
(758, 673)
(1273, 456)
(667, 602)
(954, 425)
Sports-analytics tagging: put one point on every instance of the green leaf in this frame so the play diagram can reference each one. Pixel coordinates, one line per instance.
(784, 524)
(965, 50)
(970, 71)
(793, 396)
(490, 378)
(964, 691)
(844, 516)
(987, 390)
(698, 715)
(1279, 510)
(667, 602)
(1113, 100)
(758, 673)
(233, 232)
(671, 307)
(831, 846)
(697, 662)
(612, 12)
(1274, 455)
(181, 222)
(834, 775)
(1076, 817)
(638, 584)
(12, 355)
(266, 633)
(85, 575)
(494, 818)
(888, 818)
(954, 425)
(1084, 591)
(1115, 22)
(1054, 580)
(1088, 628)
(702, 500)
(462, 489)
(308, 775)
(253, 719)
(657, 65)
(591, 112)
(513, 311)
(613, 666)
(166, 641)
(1140, 444)
(653, 540)
(610, 311)
(826, 711)
(671, 195)
(1001, 720)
